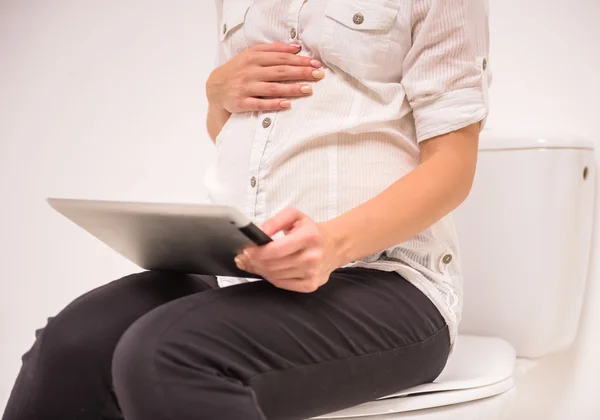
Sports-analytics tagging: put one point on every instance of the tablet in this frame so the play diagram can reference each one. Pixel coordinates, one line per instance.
(189, 238)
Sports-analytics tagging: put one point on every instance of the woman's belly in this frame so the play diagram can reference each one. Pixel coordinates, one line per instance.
(322, 177)
(327, 154)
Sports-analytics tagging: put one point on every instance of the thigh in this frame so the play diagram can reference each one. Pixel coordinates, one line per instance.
(104, 313)
(66, 374)
(363, 335)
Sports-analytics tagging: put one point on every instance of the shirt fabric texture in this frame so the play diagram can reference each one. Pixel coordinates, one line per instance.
(397, 72)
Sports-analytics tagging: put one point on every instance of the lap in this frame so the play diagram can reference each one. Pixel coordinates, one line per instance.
(98, 318)
(67, 372)
(363, 335)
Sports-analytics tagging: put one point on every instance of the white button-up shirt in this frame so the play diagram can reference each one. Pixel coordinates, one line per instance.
(397, 72)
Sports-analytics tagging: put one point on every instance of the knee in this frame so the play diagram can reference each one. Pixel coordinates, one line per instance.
(145, 360)
(156, 356)
(133, 358)
(133, 369)
(89, 324)
(152, 348)
(64, 340)
(172, 338)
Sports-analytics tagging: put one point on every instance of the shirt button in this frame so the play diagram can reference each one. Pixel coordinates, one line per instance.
(224, 29)
(266, 123)
(293, 33)
(253, 182)
(447, 259)
(484, 64)
(358, 18)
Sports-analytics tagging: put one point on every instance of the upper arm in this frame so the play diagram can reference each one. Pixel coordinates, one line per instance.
(462, 144)
(446, 71)
(456, 152)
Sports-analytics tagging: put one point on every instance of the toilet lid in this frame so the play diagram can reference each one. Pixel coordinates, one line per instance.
(479, 367)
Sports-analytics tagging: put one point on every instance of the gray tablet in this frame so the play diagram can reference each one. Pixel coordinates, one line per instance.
(190, 238)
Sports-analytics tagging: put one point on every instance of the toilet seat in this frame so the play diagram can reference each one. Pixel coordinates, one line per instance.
(479, 368)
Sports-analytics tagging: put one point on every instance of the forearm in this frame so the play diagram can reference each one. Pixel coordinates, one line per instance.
(216, 119)
(410, 205)
(217, 115)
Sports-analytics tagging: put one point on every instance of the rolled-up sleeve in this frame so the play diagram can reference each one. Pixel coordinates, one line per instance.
(446, 72)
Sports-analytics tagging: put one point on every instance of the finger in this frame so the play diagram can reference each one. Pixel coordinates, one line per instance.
(284, 220)
(280, 47)
(280, 59)
(297, 238)
(243, 263)
(292, 273)
(281, 270)
(285, 247)
(279, 90)
(289, 73)
(300, 285)
(291, 261)
(256, 104)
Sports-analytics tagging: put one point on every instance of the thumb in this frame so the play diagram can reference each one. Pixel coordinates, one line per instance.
(284, 220)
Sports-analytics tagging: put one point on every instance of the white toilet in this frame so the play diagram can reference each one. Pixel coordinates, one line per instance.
(525, 238)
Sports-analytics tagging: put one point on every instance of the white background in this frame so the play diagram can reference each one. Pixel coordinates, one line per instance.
(105, 99)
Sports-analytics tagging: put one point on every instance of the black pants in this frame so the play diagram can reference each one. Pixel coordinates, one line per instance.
(172, 347)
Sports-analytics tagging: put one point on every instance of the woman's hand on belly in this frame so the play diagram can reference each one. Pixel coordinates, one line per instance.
(253, 80)
(301, 261)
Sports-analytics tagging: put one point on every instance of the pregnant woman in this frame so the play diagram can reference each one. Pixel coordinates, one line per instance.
(349, 130)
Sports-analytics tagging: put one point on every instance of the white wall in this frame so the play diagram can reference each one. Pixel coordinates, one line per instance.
(105, 99)
(98, 99)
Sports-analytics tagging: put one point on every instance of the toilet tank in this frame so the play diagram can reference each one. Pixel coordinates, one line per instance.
(525, 238)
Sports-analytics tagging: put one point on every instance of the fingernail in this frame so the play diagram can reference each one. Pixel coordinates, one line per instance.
(318, 74)
(297, 46)
(245, 251)
(239, 264)
(285, 104)
(316, 63)
(306, 89)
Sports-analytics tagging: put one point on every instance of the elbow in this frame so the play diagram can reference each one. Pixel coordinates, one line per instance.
(465, 183)
(464, 191)
(461, 171)
(465, 166)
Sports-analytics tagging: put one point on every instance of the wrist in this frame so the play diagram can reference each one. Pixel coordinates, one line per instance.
(340, 242)
(212, 89)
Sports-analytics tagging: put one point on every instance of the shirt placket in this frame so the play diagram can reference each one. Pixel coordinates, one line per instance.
(254, 208)
(293, 20)
(255, 197)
